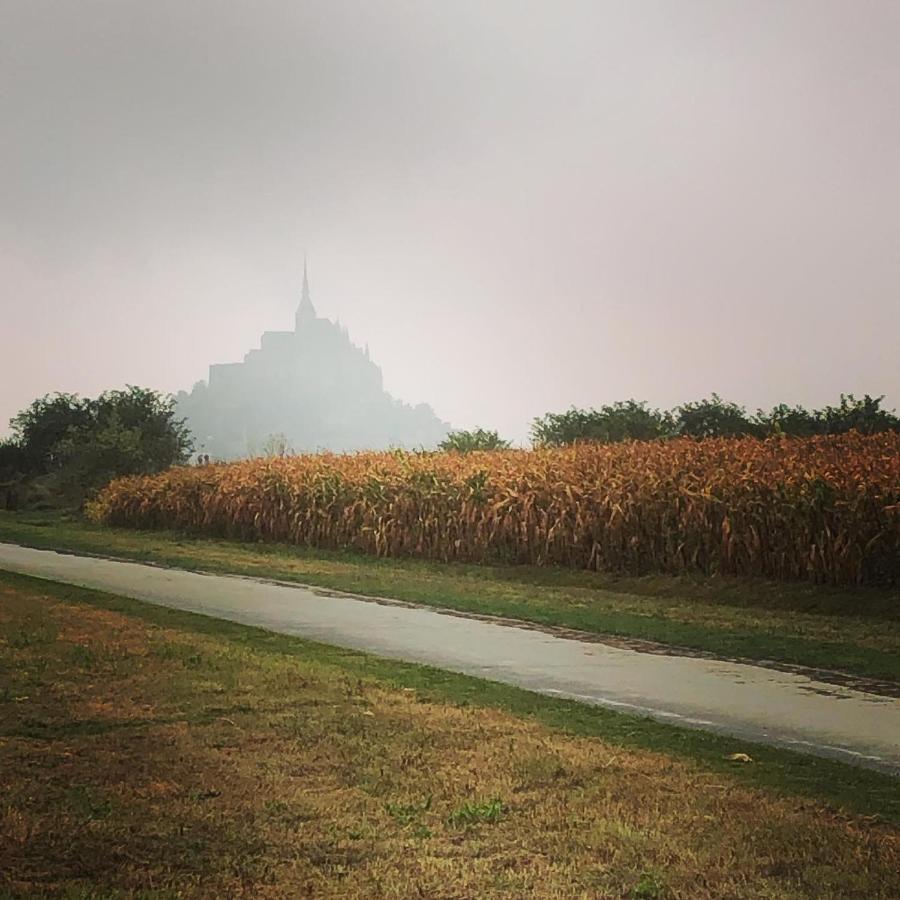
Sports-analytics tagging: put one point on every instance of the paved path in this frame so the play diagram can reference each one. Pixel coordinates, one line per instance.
(749, 702)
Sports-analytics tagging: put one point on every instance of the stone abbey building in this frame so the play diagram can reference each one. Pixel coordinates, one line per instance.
(310, 388)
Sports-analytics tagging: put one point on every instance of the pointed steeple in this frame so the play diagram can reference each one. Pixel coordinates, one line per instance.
(306, 312)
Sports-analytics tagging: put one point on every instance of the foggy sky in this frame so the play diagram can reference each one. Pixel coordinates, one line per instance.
(520, 206)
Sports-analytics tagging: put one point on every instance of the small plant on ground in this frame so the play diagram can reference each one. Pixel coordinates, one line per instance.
(489, 811)
(407, 814)
(649, 887)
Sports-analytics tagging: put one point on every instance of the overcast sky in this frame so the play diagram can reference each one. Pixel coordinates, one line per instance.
(520, 206)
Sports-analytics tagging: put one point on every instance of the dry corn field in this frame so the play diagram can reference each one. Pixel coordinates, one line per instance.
(819, 509)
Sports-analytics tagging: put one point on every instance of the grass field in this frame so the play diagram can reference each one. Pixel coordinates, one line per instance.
(147, 752)
(856, 630)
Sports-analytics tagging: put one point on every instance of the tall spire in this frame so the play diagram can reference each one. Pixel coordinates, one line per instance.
(305, 311)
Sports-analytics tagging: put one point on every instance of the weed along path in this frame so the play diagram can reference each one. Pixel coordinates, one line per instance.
(750, 702)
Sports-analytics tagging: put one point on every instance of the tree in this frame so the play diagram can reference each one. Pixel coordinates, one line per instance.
(794, 421)
(479, 439)
(13, 460)
(865, 416)
(277, 445)
(13, 466)
(159, 439)
(622, 421)
(714, 417)
(39, 429)
(83, 443)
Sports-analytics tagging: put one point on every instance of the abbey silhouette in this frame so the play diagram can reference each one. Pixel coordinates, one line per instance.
(313, 386)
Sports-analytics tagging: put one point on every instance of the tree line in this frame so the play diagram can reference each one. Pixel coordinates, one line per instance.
(712, 417)
(633, 420)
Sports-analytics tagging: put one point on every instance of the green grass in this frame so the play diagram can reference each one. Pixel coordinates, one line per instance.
(851, 630)
(857, 790)
(477, 813)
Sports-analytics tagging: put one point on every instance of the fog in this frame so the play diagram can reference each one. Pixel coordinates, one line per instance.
(518, 206)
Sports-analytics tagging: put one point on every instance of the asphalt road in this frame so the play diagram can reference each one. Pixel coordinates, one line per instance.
(748, 702)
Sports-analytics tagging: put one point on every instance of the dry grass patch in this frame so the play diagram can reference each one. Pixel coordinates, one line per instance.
(168, 762)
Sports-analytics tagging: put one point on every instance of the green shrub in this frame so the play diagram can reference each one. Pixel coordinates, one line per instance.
(467, 441)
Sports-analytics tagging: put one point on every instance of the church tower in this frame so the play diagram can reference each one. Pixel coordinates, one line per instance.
(305, 311)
